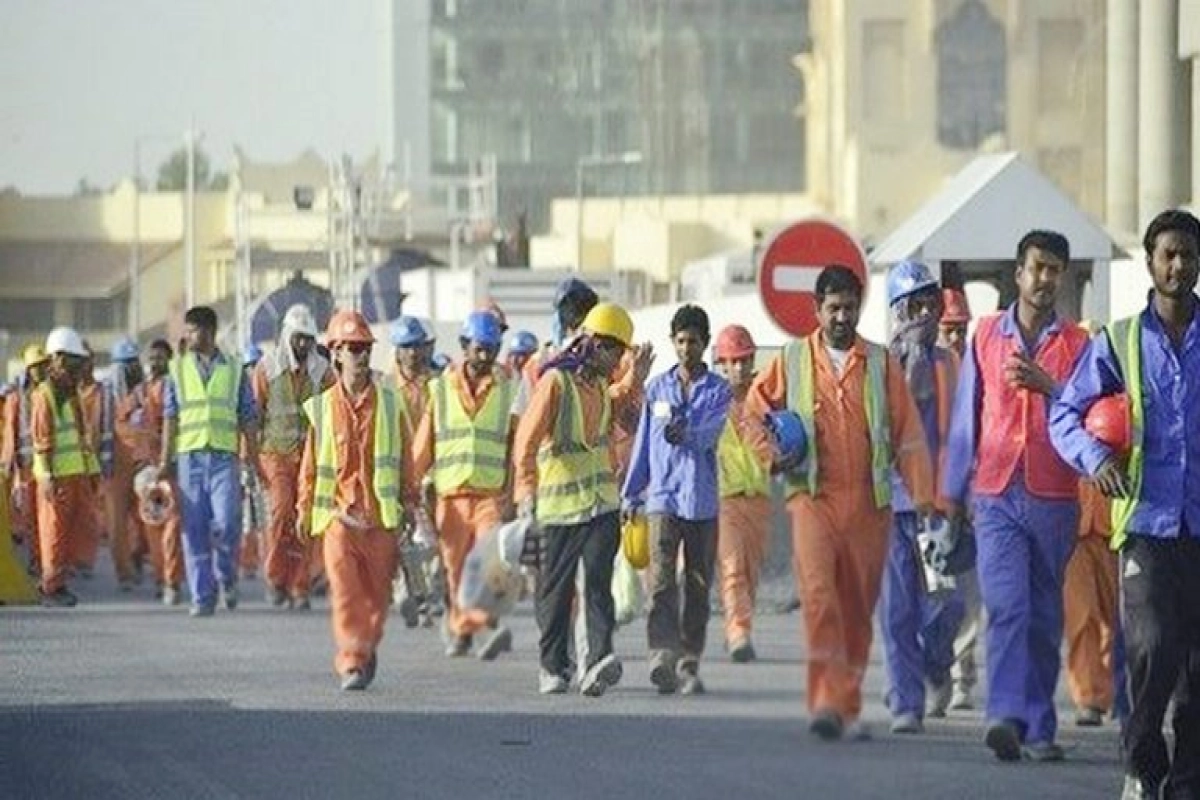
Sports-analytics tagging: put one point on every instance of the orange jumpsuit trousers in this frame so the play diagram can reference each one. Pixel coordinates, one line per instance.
(287, 564)
(1090, 598)
(126, 526)
(360, 563)
(166, 548)
(744, 532)
(459, 519)
(58, 522)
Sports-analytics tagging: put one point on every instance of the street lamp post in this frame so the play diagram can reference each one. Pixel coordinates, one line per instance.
(628, 158)
(134, 322)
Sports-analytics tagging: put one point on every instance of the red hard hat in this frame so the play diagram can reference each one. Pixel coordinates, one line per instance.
(348, 326)
(955, 309)
(734, 342)
(1108, 421)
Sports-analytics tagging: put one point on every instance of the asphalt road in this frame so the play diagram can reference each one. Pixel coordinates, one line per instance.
(122, 698)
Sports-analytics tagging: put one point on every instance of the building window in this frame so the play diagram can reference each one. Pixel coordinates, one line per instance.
(27, 315)
(99, 314)
(972, 60)
(445, 134)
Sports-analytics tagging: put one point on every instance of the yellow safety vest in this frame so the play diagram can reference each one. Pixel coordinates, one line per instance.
(208, 413)
(284, 427)
(738, 469)
(386, 459)
(801, 398)
(70, 456)
(471, 452)
(575, 479)
(1125, 338)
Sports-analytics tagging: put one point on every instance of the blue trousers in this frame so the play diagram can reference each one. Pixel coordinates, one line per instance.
(1024, 545)
(918, 628)
(210, 491)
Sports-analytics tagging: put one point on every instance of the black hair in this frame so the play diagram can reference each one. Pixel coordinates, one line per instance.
(1052, 242)
(1170, 220)
(575, 307)
(691, 318)
(837, 279)
(201, 317)
(164, 345)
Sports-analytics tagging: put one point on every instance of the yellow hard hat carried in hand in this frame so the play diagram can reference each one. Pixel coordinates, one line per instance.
(33, 355)
(609, 319)
(635, 541)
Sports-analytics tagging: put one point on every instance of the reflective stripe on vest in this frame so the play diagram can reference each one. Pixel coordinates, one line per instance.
(1125, 339)
(800, 375)
(283, 425)
(385, 479)
(575, 479)
(471, 453)
(207, 412)
(70, 456)
(739, 470)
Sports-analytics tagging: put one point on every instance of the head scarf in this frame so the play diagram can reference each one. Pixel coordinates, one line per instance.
(912, 344)
(282, 360)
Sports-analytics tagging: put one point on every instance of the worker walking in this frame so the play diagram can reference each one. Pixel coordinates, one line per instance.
(16, 457)
(1024, 498)
(919, 626)
(64, 466)
(163, 537)
(1152, 359)
(349, 495)
(860, 421)
(206, 406)
(673, 477)
(97, 403)
(745, 513)
(254, 502)
(521, 348)
(282, 382)
(464, 438)
(565, 479)
(133, 444)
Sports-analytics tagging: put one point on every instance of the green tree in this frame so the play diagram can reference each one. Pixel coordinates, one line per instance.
(172, 173)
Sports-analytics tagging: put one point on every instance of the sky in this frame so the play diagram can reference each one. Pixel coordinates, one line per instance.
(80, 80)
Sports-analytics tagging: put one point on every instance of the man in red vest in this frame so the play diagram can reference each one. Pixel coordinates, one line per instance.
(1024, 498)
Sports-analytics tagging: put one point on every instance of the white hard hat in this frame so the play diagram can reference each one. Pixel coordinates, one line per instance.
(300, 319)
(66, 340)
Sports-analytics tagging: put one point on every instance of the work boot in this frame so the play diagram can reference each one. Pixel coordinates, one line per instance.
(301, 603)
(826, 725)
(1089, 717)
(601, 677)
(742, 652)
(690, 684)
(354, 681)
(229, 595)
(499, 642)
(459, 646)
(277, 598)
(1044, 752)
(170, 596)
(939, 699)
(1138, 789)
(1003, 740)
(662, 674)
(410, 612)
(960, 699)
(907, 724)
(59, 599)
(549, 683)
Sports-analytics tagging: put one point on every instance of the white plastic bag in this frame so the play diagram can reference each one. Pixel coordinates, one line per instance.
(512, 539)
(489, 584)
(626, 590)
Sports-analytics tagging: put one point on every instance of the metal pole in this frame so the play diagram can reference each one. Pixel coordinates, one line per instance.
(579, 216)
(190, 222)
(135, 251)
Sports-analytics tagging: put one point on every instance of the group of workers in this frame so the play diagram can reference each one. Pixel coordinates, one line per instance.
(893, 456)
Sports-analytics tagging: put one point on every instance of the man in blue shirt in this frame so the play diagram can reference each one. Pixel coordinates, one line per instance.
(1154, 359)
(673, 473)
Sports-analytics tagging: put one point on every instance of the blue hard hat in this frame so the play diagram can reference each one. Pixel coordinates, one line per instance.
(522, 343)
(439, 361)
(907, 278)
(251, 355)
(408, 332)
(573, 287)
(482, 327)
(124, 350)
(788, 431)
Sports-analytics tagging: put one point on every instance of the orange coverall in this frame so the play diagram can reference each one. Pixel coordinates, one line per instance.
(1090, 597)
(360, 555)
(86, 542)
(839, 537)
(132, 448)
(24, 518)
(58, 518)
(465, 513)
(163, 541)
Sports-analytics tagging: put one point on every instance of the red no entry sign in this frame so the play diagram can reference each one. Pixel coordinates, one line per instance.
(790, 264)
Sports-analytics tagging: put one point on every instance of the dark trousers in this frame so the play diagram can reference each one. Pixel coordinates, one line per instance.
(671, 635)
(1160, 612)
(594, 542)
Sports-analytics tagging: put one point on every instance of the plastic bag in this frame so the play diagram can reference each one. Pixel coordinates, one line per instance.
(626, 590)
(512, 539)
(489, 583)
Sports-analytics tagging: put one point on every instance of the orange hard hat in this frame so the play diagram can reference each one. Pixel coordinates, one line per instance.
(347, 325)
(733, 343)
(955, 309)
(492, 307)
(1108, 422)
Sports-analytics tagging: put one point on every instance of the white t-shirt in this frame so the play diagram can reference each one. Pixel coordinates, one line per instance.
(839, 358)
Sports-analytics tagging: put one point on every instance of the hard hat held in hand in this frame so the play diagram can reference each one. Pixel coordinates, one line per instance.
(156, 501)
(1108, 421)
(791, 440)
(635, 541)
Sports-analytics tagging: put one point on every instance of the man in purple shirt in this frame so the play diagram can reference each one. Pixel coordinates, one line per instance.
(673, 474)
(1154, 359)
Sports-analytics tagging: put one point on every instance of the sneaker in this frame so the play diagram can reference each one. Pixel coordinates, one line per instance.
(301, 604)
(603, 675)
(59, 599)
(960, 700)
(939, 697)
(1044, 752)
(229, 595)
(907, 724)
(202, 610)
(1002, 739)
(858, 731)
(354, 681)
(500, 641)
(1089, 717)
(459, 646)
(742, 652)
(662, 675)
(410, 612)
(277, 598)
(690, 684)
(826, 725)
(170, 596)
(1138, 789)
(549, 683)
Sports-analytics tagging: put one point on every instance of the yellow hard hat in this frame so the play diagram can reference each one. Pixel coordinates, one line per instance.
(609, 319)
(33, 355)
(635, 541)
